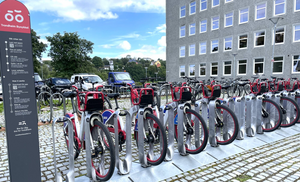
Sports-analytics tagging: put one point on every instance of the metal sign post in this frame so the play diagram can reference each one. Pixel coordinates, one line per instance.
(20, 107)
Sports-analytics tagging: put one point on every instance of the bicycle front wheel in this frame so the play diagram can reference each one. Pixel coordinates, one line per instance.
(226, 126)
(271, 114)
(290, 111)
(195, 134)
(103, 158)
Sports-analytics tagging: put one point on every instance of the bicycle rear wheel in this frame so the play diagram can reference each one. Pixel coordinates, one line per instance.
(76, 141)
(271, 114)
(155, 141)
(226, 125)
(195, 136)
(103, 158)
(290, 111)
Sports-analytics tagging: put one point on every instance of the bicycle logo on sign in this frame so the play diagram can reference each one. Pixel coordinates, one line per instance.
(10, 17)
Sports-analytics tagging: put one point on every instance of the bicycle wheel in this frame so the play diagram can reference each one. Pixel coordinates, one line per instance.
(226, 125)
(103, 158)
(195, 136)
(155, 141)
(75, 140)
(290, 111)
(271, 114)
(247, 89)
(107, 104)
(57, 99)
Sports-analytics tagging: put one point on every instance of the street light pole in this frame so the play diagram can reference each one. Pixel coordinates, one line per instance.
(275, 21)
(146, 71)
(234, 75)
(156, 76)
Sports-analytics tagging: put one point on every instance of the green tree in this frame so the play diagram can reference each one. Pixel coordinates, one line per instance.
(105, 61)
(37, 49)
(70, 54)
(97, 61)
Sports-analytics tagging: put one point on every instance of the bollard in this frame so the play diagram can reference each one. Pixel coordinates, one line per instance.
(239, 108)
(250, 116)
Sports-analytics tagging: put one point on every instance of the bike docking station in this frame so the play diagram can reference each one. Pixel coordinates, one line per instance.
(254, 118)
(272, 114)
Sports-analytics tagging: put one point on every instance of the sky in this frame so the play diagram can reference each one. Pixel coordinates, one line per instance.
(116, 27)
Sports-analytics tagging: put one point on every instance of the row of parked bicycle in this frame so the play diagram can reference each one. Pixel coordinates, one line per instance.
(217, 112)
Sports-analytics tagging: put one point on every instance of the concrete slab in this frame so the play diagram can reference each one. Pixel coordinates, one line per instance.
(269, 137)
(223, 151)
(287, 131)
(203, 158)
(185, 163)
(249, 142)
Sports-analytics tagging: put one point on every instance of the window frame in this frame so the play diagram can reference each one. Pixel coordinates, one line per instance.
(274, 8)
(242, 39)
(293, 64)
(191, 8)
(201, 26)
(190, 50)
(181, 10)
(255, 46)
(200, 69)
(212, 4)
(211, 66)
(211, 48)
(180, 31)
(227, 65)
(205, 1)
(180, 72)
(253, 71)
(212, 24)
(295, 10)
(240, 15)
(278, 73)
(294, 32)
(180, 52)
(190, 70)
(238, 66)
(228, 1)
(190, 29)
(226, 19)
(273, 38)
(205, 48)
(266, 6)
(227, 41)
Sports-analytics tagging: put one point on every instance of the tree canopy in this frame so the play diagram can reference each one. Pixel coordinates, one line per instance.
(37, 49)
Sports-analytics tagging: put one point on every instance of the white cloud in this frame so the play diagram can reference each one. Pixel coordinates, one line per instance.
(76, 10)
(125, 45)
(106, 46)
(162, 41)
(148, 51)
(44, 41)
(159, 29)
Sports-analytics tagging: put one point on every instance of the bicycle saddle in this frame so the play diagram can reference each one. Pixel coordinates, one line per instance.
(69, 94)
(113, 95)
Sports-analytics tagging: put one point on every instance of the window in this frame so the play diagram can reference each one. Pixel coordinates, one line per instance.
(259, 66)
(296, 33)
(279, 7)
(279, 36)
(202, 68)
(192, 29)
(202, 49)
(260, 11)
(259, 38)
(228, 44)
(192, 70)
(297, 5)
(215, 23)
(182, 31)
(296, 64)
(215, 3)
(244, 13)
(227, 1)
(182, 71)
(192, 7)
(227, 68)
(203, 26)
(182, 11)
(242, 67)
(203, 5)
(214, 46)
(243, 41)
(182, 51)
(228, 19)
(278, 65)
(192, 50)
(214, 69)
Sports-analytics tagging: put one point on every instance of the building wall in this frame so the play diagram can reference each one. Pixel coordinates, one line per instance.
(174, 22)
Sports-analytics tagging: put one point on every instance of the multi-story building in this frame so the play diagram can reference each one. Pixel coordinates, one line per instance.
(227, 38)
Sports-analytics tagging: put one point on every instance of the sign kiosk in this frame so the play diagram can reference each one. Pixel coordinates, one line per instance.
(19, 100)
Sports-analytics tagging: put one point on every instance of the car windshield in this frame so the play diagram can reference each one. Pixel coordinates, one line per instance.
(92, 79)
(60, 81)
(37, 78)
(122, 76)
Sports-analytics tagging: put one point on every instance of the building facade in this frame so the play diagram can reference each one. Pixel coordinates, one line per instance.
(206, 37)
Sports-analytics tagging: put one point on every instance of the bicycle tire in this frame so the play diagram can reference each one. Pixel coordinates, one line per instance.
(75, 144)
(160, 134)
(107, 104)
(277, 121)
(104, 170)
(227, 136)
(204, 139)
(296, 110)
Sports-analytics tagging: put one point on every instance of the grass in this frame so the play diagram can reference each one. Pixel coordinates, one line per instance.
(1, 107)
(243, 177)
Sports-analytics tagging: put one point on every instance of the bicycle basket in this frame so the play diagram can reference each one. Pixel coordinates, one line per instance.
(94, 105)
(216, 89)
(142, 96)
(184, 92)
(263, 89)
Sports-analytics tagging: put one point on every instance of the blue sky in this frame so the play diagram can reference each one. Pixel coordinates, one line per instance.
(116, 27)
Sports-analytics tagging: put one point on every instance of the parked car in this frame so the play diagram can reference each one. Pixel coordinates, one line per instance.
(58, 84)
(119, 77)
(86, 81)
(39, 83)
